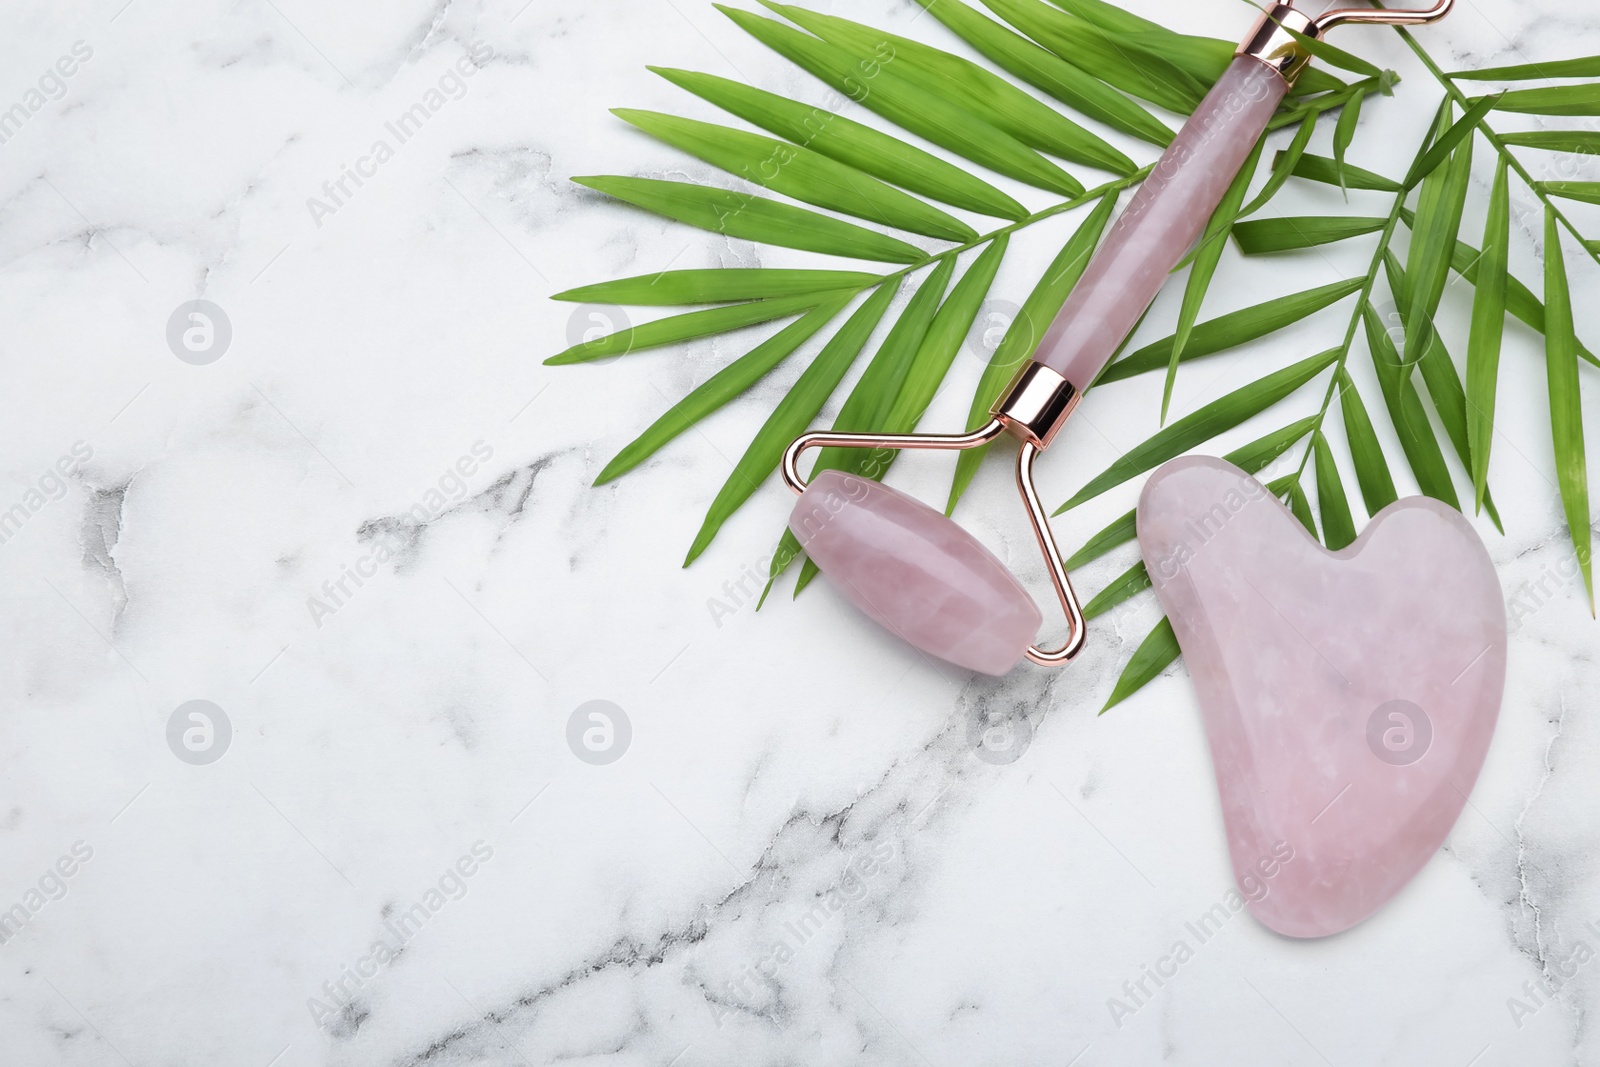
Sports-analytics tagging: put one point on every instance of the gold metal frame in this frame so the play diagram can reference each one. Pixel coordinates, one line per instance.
(1077, 627)
(1272, 42)
(1382, 16)
(1032, 409)
(834, 439)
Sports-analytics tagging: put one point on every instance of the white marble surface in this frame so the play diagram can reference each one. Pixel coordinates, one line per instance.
(970, 912)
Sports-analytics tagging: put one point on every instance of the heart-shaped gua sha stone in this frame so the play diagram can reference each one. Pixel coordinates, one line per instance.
(1349, 697)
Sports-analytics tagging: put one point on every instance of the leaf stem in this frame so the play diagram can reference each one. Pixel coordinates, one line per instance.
(1465, 103)
(1373, 270)
(1493, 138)
(1087, 197)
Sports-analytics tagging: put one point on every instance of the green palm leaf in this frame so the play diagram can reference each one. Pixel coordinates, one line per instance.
(1114, 61)
(792, 416)
(1027, 119)
(1125, 586)
(850, 142)
(1439, 209)
(1407, 414)
(1301, 508)
(1331, 54)
(1155, 654)
(880, 89)
(718, 286)
(1441, 149)
(1261, 236)
(1250, 458)
(1317, 168)
(1337, 523)
(1234, 329)
(867, 405)
(1087, 54)
(1566, 407)
(1214, 418)
(720, 388)
(1520, 301)
(1119, 531)
(1344, 132)
(1254, 457)
(948, 330)
(1588, 192)
(1204, 58)
(1045, 70)
(1443, 381)
(1488, 330)
(755, 218)
(800, 173)
(1372, 470)
(687, 327)
(1554, 100)
(1587, 67)
(926, 370)
(1584, 141)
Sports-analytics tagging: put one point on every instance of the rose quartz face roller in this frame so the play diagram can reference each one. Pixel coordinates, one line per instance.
(913, 570)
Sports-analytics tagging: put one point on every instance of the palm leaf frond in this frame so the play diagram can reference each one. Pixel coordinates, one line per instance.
(1028, 90)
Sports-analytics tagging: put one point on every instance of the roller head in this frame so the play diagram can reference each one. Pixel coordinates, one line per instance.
(915, 572)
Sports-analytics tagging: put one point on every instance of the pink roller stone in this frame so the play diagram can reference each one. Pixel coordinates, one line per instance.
(1349, 697)
(1162, 222)
(915, 572)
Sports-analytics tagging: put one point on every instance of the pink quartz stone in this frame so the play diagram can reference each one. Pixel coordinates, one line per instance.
(915, 572)
(1349, 697)
(1161, 222)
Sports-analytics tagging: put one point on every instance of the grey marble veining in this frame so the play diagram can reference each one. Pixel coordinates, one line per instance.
(363, 532)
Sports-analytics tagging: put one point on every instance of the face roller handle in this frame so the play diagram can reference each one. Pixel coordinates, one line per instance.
(1173, 206)
(1161, 223)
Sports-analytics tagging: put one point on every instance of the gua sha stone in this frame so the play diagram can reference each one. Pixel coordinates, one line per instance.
(1348, 697)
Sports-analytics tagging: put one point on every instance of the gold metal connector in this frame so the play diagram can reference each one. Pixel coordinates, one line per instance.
(1271, 42)
(1036, 403)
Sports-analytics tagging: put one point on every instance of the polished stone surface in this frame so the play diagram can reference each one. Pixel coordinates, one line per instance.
(1349, 697)
(915, 572)
(1161, 222)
